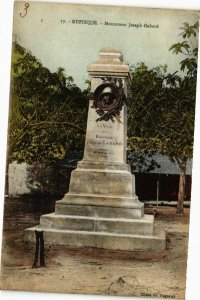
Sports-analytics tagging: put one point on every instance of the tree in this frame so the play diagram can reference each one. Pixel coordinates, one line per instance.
(46, 111)
(162, 108)
(187, 92)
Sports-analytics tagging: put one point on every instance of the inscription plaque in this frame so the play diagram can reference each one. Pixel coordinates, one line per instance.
(105, 140)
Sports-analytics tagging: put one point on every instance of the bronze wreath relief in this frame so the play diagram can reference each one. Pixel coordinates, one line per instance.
(109, 99)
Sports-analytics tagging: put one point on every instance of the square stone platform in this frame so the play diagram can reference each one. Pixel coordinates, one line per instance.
(99, 232)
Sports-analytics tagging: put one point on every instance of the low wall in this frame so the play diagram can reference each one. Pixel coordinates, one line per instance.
(24, 179)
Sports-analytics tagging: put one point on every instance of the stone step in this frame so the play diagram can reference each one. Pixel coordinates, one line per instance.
(143, 226)
(101, 206)
(101, 200)
(104, 240)
(98, 211)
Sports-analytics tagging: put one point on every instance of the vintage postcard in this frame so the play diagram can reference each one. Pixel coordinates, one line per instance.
(100, 150)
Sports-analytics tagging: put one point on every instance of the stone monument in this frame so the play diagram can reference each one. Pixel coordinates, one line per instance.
(101, 208)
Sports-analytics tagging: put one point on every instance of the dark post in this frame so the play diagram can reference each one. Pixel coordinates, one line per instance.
(36, 249)
(42, 262)
(39, 249)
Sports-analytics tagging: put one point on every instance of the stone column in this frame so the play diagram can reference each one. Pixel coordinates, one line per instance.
(103, 176)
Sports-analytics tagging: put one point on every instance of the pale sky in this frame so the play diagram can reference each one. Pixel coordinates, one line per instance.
(74, 46)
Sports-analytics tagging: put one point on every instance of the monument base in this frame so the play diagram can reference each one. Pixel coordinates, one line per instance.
(100, 210)
(101, 239)
(116, 224)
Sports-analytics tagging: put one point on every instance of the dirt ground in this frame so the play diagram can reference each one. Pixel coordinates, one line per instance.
(91, 270)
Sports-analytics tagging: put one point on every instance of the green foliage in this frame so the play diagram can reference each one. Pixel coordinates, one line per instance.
(189, 30)
(161, 113)
(144, 94)
(142, 161)
(47, 111)
(179, 47)
(188, 47)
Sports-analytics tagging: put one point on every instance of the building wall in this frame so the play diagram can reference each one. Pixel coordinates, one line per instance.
(38, 179)
(146, 186)
(17, 179)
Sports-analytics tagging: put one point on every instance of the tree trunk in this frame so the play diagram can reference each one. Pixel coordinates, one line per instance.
(181, 191)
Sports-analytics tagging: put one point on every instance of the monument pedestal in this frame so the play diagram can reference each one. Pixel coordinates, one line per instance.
(89, 216)
(101, 208)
